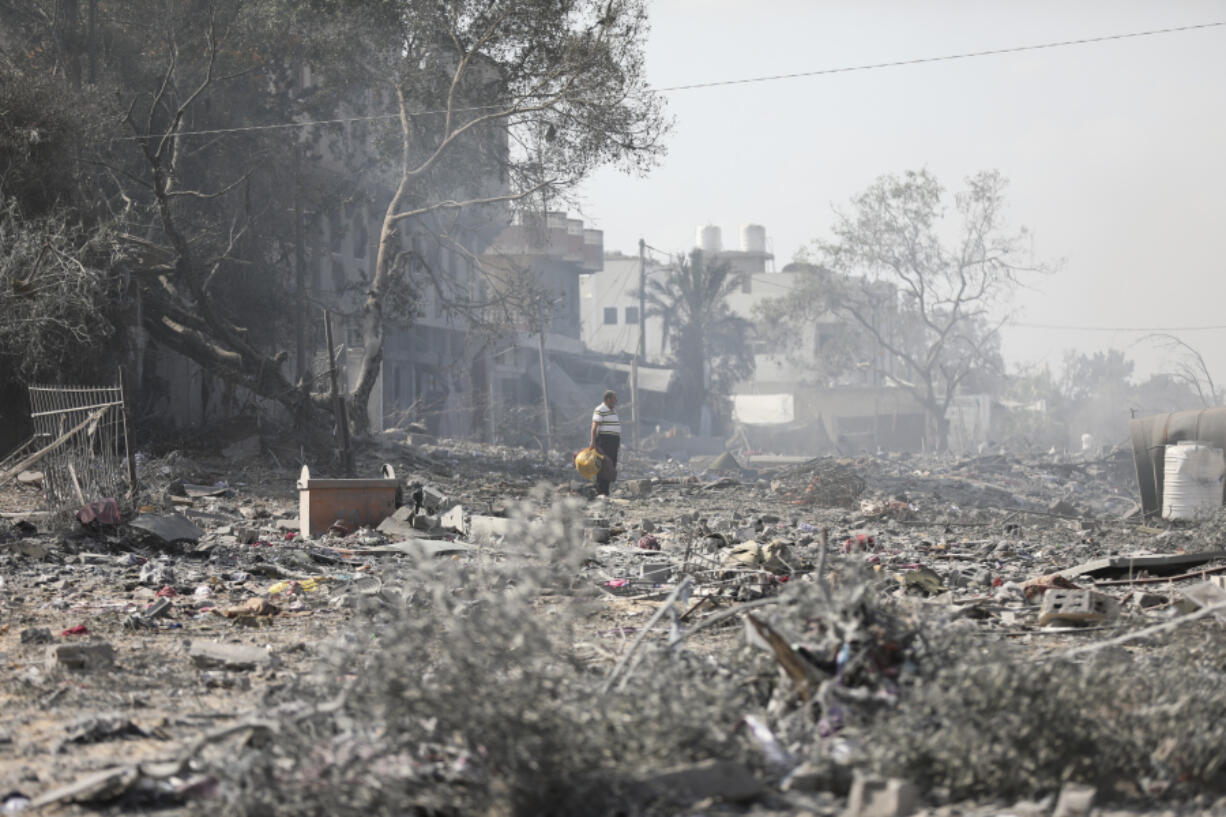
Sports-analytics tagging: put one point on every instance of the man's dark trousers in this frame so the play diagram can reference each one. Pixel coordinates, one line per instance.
(608, 445)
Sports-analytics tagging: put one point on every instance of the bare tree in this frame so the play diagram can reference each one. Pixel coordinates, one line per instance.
(947, 299)
(1188, 366)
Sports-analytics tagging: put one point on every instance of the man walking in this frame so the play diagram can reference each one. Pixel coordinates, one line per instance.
(606, 438)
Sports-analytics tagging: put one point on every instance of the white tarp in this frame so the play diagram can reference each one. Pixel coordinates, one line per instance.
(763, 409)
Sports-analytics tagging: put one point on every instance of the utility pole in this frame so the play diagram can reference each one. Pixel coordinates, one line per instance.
(299, 269)
(540, 339)
(640, 356)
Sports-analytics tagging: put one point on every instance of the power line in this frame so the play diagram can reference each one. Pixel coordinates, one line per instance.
(716, 83)
(921, 60)
(1201, 328)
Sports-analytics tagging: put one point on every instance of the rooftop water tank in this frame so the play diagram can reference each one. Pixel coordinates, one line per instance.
(753, 238)
(708, 239)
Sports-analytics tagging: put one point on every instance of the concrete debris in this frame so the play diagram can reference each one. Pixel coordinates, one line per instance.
(217, 655)
(1077, 607)
(36, 635)
(1075, 800)
(81, 657)
(878, 797)
(865, 586)
(488, 527)
(712, 779)
(169, 529)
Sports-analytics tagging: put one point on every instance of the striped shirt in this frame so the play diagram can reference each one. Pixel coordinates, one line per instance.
(606, 421)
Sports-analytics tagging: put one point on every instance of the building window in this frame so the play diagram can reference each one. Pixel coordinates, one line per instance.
(610, 314)
(632, 314)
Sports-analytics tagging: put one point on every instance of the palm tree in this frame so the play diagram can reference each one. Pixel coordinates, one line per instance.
(706, 343)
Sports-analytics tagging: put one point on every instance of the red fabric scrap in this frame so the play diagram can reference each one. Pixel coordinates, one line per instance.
(77, 630)
(104, 512)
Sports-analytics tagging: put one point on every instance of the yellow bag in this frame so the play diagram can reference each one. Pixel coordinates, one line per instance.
(588, 462)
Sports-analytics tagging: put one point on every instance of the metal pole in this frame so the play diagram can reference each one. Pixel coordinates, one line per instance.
(129, 455)
(299, 269)
(540, 339)
(641, 354)
(634, 400)
(338, 403)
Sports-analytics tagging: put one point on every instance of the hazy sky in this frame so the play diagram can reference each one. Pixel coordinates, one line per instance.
(1116, 151)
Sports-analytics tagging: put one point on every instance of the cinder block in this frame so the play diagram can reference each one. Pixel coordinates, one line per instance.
(656, 572)
(1077, 606)
(879, 797)
(90, 655)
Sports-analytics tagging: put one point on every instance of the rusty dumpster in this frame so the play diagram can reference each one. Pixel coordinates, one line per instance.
(353, 503)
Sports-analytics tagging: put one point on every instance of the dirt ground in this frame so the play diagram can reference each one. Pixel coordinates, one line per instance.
(946, 542)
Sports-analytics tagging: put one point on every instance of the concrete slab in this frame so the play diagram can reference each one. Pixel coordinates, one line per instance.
(169, 528)
(1154, 564)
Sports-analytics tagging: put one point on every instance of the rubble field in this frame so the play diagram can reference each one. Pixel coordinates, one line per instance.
(873, 636)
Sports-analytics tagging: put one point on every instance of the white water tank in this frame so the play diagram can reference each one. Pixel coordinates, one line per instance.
(708, 239)
(1192, 480)
(753, 238)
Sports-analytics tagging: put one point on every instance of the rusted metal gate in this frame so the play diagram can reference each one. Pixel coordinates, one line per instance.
(85, 430)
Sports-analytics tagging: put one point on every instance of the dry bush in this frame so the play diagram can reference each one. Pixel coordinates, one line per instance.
(470, 699)
(995, 720)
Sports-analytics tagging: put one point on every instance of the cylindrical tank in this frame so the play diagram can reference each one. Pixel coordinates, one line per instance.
(1193, 473)
(708, 239)
(753, 238)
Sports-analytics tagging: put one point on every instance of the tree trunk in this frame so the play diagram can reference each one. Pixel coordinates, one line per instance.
(372, 308)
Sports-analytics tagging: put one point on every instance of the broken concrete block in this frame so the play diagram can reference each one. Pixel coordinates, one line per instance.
(596, 535)
(34, 478)
(399, 525)
(217, 655)
(488, 527)
(160, 608)
(1077, 607)
(879, 797)
(723, 779)
(1202, 594)
(637, 487)
(36, 635)
(1075, 800)
(89, 655)
(656, 572)
(453, 519)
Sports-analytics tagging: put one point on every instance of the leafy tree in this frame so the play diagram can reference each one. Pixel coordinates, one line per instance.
(489, 102)
(706, 343)
(930, 308)
(531, 94)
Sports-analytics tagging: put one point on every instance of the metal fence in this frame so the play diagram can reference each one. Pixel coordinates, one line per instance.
(87, 428)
